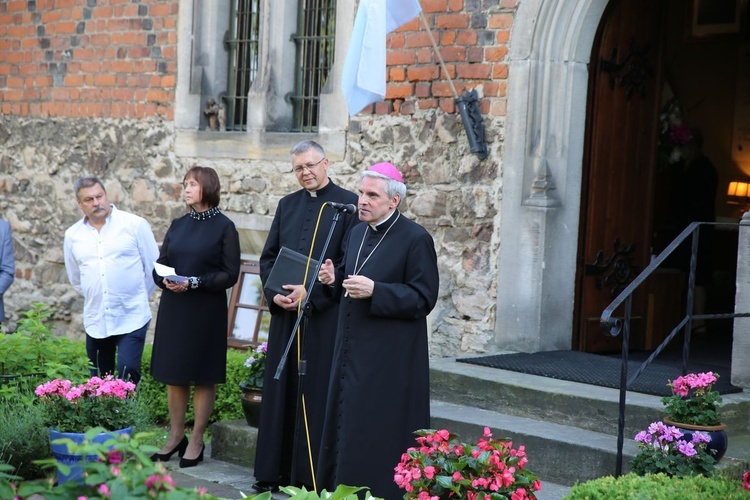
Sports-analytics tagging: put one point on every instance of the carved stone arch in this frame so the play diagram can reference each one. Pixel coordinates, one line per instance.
(550, 47)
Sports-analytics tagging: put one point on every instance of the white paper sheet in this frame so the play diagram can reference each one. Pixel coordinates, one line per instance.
(169, 273)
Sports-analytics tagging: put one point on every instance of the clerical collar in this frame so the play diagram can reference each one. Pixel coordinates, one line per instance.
(385, 223)
(314, 194)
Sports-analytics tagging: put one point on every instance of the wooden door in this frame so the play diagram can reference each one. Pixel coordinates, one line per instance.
(619, 165)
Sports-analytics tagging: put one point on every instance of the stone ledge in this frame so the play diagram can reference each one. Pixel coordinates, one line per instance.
(234, 441)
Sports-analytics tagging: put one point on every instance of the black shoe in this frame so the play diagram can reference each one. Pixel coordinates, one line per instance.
(192, 462)
(264, 486)
(180, 449)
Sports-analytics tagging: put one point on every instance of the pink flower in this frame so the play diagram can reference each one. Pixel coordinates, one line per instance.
(114, 457)
(480, 482)
(701, 437)
(508, 478)
(519, 494)
(687, 449)
(643, 437)
(74, 393)
(160, 482)
(103, 490)
(442, 435)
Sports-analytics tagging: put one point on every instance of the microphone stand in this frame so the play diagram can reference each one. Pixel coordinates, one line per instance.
(301, 369)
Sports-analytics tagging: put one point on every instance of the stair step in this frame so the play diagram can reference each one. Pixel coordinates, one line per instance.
(558, 453)
(568, 429)
(541, 398)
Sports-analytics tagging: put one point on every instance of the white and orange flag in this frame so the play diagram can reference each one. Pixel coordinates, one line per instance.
(363, 78)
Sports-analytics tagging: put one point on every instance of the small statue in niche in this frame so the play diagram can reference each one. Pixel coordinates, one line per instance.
(222, 116)
(212, 112)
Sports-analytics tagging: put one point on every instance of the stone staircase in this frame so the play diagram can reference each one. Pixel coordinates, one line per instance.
(569, 429)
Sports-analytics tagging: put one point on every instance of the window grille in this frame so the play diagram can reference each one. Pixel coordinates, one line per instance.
(316, 28)
(242, 44)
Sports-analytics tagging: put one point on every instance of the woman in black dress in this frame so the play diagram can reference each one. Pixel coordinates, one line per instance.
(190, 341)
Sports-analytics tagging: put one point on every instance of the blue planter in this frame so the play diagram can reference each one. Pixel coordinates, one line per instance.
(718, 434)
(75, 461)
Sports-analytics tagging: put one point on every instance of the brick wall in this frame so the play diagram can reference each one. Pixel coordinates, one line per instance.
(472, 36)
(88, 58)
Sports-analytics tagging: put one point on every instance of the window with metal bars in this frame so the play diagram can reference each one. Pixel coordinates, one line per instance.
(242, 45)
(316, 28)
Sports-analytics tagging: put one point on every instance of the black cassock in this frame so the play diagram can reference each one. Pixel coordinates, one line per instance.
(293, 227)
(379, 390)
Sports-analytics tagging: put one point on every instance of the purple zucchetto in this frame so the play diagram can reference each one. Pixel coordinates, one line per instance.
(387, 169)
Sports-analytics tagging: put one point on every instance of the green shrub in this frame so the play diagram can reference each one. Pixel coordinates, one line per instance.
(227, 406)
(228, 402)
(32, 354)
(23, 439)
(658, 487)
(151, 393)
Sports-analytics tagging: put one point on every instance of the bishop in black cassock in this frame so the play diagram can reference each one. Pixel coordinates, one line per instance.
(379, 390)
(282, 456)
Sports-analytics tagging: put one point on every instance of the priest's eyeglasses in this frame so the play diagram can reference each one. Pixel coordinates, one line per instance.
(308, 166)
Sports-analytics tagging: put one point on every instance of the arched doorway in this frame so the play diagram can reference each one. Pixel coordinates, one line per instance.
(618, 168)
(550, 62)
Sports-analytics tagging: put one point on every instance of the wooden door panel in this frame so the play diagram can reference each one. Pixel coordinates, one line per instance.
(618, 170)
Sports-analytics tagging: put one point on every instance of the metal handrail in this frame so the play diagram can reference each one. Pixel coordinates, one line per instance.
(614, 326)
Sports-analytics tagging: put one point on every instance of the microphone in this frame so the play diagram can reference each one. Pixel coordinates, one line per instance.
(341, 207)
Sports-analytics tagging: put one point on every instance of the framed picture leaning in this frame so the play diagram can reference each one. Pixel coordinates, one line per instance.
(710, 18)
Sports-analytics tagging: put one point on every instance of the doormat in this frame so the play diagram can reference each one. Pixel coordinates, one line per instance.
(602, 371)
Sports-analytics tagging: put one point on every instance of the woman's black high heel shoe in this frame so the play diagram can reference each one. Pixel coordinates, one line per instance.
(179, 449)
(192, 462)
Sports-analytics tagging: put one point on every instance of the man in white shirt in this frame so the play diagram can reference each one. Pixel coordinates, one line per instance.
(109, 256)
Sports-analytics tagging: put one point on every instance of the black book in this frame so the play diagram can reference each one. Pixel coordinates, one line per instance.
(289, 269)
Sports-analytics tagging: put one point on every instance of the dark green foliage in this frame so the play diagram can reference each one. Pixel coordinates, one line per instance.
(658, 487)
(227, 407)
(674, 464)
(23, 439)
(151, 393)
(228, 404)
(32, 355)
(123, 470)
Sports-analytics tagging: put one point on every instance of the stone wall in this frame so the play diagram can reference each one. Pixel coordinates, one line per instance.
(453, 194)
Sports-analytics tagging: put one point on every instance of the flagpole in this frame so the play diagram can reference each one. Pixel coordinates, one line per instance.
(437, 53)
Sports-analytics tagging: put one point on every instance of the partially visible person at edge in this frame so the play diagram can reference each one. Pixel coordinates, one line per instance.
(7, 263)
(109, 255)
(282, 454)
(379, 385)
(694, 200)
(190, 340)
